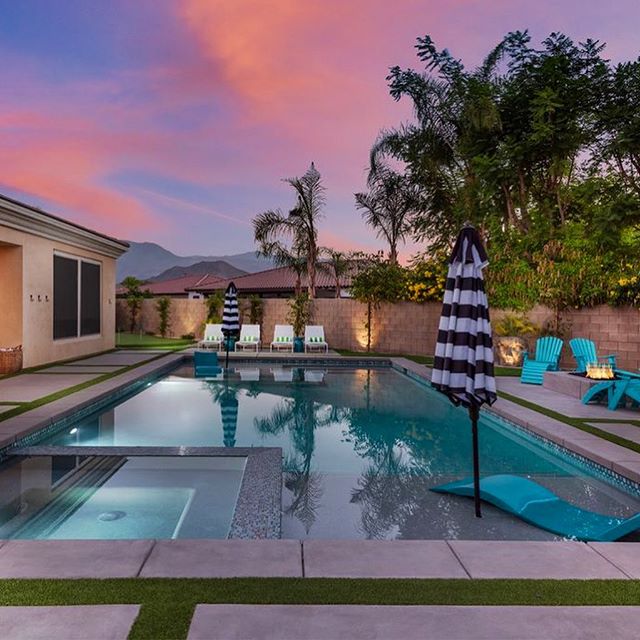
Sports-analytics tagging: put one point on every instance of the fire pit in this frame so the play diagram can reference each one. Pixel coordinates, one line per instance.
(600, 371)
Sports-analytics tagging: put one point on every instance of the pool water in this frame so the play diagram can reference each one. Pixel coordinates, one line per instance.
(361, 448)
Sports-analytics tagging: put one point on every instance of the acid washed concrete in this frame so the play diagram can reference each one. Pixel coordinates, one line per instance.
(358, 622)
(80, 622)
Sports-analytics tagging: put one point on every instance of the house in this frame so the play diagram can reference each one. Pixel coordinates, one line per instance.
(57, 285)
(276, 283)
(174, 288)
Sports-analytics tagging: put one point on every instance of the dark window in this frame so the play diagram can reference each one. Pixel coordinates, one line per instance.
(90, 299)
(65, 297)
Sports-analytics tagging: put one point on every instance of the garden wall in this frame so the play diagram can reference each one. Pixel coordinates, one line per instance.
(405, 327)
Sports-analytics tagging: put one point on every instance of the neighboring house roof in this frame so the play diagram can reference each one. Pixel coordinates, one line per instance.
(275, 280)
(176, 286)
(27, 218)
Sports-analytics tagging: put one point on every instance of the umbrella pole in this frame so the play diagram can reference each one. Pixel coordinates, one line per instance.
(474, 413)
(226, 344)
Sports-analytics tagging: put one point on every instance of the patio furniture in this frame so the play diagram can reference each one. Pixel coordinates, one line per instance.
(542, 508)
(212, 338)
(249, 337)
(282, 337)
(314, 375)
(547, 358)
(584, 351)
(314, 338)
(625, 386)
(205, 364)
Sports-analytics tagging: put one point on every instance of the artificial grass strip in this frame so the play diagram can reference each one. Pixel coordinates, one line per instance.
(134, 340)
(578, 423)
(34, 404)
(168, 604)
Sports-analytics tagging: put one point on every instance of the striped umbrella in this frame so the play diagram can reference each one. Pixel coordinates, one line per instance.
(229, 412)
(230, 316)
(463, 365)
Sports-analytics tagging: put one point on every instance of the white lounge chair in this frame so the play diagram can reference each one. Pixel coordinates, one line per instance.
(213, 337)
(314, 375)
(314, 338)
(249, 337)
(282, 375)
(282, 337)
(249, 375)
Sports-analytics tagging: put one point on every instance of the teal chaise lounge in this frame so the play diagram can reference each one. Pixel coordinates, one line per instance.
(206, 364)
(547, 358)
(542, 508)
(584, 351)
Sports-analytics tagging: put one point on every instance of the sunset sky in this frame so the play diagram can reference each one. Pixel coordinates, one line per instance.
(174, 120)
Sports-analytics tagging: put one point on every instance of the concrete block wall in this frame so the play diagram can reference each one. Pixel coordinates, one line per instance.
(405, 327)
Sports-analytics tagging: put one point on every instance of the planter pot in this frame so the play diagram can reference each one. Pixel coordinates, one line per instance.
(509, 350)
(298, 345)
(10, 360)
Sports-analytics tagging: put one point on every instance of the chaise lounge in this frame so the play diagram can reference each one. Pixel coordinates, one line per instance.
(282, 337)
(249, 337)
(212, 338)
(314, 338)
(547, 358)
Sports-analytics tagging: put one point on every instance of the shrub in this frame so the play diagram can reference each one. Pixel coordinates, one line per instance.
(163, 306)
(514, 325)
(299, 312)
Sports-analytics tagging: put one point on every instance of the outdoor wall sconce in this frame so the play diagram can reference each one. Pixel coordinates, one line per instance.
(39, 298)
(31, 297)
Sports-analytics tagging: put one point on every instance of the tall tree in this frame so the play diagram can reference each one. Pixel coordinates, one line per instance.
(300, 226)
(388, 205)
(337, 264)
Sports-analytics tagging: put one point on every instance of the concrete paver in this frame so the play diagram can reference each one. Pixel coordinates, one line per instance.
(536, 560)
(380, 559)
(31, 386)
(80, 622)
(357, 622)
(601, 451)
(224, 559)
(627, 431)
(119, 358)
(73, 558)
(623, 554)
(73, 368)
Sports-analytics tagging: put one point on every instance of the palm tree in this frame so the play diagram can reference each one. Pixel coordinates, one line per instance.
(300, 226)
(337, 264)
(388, 205)
(283, 256)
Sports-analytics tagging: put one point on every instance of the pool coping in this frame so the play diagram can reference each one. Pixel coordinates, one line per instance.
(478, 559)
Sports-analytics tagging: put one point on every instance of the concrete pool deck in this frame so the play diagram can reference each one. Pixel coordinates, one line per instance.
(422, 559)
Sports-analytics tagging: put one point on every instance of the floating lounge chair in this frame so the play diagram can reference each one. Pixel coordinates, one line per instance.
(314, 338)
(282, 337)
(206, 364)
(542, 508)
(249, 337)
(584, 351)
(212, 338)
(547, 358)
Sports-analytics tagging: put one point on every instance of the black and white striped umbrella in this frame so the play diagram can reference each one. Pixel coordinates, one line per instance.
(229, 412)
(230, 316)
(463, 364)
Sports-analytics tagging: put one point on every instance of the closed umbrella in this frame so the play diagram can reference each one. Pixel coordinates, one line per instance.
(230, 317)
(463, 366)
(229, 411)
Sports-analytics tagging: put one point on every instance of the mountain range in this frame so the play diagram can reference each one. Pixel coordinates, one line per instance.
(147, 260)
(220, 268)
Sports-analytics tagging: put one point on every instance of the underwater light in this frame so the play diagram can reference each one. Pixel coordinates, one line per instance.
(74, 430)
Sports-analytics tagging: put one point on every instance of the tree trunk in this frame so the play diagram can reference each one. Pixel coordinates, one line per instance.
(311, 273)
(368, 326)
(393, 254)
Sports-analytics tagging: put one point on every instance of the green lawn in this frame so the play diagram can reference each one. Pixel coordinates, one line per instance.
(137, 341)
(168, 604)
(426, 360)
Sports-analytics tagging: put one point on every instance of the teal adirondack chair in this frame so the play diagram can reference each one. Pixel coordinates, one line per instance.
(584, 351)
(547, 358)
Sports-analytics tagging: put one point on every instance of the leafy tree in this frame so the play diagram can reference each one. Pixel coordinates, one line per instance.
(134, 296)
(337, 264)
(163, 306)
(300, 226)
(299, 312)
(215, 304)
(388, 205)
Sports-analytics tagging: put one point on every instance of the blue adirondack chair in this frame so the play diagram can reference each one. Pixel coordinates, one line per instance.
(542, 508)
(206, 364)
(584, 351)
(547, 358)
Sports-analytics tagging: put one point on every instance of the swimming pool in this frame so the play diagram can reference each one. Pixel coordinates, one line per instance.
(361, 448)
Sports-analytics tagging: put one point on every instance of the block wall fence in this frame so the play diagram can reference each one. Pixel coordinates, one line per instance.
(405, 327)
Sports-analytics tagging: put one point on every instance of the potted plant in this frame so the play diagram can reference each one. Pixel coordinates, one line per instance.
(299, 316)
(511, 333)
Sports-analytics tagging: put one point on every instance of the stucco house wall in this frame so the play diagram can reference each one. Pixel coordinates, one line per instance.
(29, 239)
